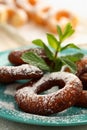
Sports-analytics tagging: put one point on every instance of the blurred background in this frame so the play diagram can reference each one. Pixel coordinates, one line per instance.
(22, 21)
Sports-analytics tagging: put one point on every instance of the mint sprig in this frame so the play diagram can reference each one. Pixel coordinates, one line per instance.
(38, 61)
(53, 51)
(68, 31)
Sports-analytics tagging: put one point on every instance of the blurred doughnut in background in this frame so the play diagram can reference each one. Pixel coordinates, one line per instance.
(19, 12)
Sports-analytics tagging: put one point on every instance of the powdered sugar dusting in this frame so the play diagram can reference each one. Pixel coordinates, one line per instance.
(67, 77)
(7, 105)
(11, 89)
(61, 119)
(22, 69)
(46, 103)
(70, 116)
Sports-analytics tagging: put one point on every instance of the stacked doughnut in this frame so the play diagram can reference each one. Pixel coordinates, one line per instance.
(19, 12)
(29, 97)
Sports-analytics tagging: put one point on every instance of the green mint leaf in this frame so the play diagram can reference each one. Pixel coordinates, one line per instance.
(68, 28)
(70, 45)
(34, 59)
(68, 31)
(58, 65)
(54, 50)
(74, 57)
(59, 31)
(38, 42)
(48, 52)
(53, 41)
(70, 64)
(68, 34)
(41, 44)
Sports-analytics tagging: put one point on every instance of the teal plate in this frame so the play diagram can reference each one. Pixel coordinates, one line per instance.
(9, 109)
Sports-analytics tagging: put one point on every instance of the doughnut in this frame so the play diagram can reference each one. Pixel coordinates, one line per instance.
(42, 15)
(33, 2)
(30, 100)
(19, 18)
(83, 78)
(82, 71)
(61, 18)
(3, 14)
(81, 66)
(10, 73)
(82, 75)
(25, 5)
(82, 100)
(15, 56)
(11, 13)
(39, 12)
(65, 14)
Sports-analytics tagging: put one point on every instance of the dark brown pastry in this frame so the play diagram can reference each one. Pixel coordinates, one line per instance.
(15, 56)
(30, 100)
(82, 74)
(11, 73)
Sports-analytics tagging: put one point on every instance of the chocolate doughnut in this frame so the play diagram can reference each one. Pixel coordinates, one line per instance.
(81, 66)
(82, 100)
(82, 75)
(82, 71)
(15, 56)
(30, 100)
(26, 71)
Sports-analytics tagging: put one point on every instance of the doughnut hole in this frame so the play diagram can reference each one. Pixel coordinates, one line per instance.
(53, 87)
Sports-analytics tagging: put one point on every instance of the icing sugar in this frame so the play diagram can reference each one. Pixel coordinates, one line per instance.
(65, 117)
(22, 69)
(29, 96)
(63, 75)
(70, 115)
(7, 105)
(11, 89)
(67, 77)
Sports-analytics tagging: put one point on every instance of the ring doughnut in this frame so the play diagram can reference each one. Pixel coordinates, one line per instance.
(33, 2)
(82, 74)
(30, 100)
(3, 13)
(82, 100)
(61, 18)
(81, 66)
(42, 15)
(11, 73)
(82, 71)
(15, 56)
(19, 18)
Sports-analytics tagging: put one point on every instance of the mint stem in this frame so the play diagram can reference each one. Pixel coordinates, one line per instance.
(55, 56)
